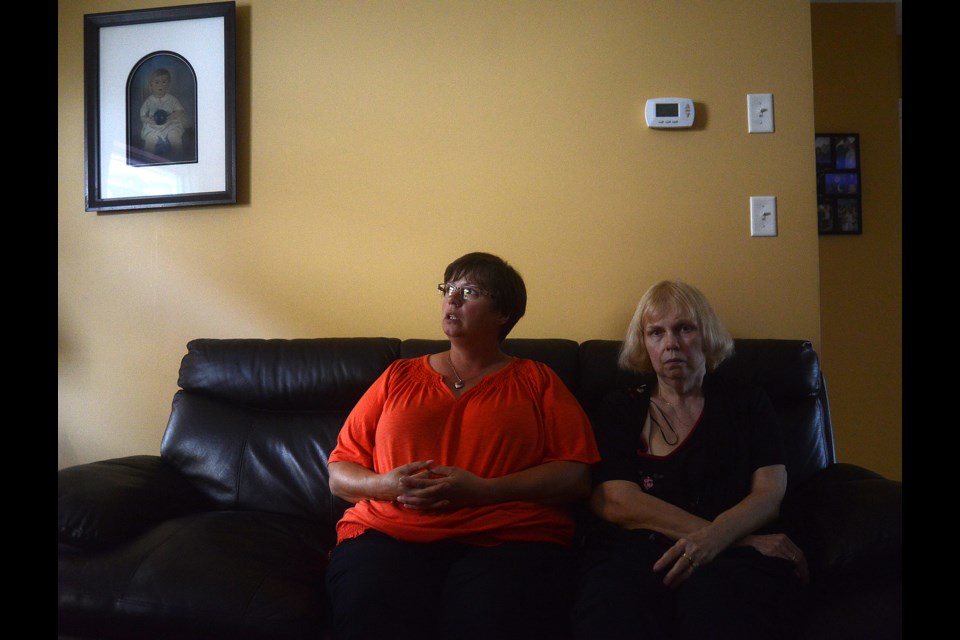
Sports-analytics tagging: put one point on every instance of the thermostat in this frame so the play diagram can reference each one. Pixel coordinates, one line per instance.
(668, 113)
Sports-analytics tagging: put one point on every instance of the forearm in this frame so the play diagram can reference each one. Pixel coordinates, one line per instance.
(625, 504)
(746, 517)
(354, 483)
(558, 482)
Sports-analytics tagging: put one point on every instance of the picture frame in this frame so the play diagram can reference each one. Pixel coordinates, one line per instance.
(160, 107)
(839, 201)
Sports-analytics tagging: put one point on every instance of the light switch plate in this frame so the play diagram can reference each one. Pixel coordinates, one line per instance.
(760, 113)
(763, 215)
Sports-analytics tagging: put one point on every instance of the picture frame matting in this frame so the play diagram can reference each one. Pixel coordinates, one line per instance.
(160, 107)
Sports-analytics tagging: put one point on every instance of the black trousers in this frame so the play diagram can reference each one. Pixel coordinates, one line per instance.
(742, 594)
(380, 587)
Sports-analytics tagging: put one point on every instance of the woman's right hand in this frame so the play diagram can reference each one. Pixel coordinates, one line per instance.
(687, 554)
(353, 482)
(414, 486)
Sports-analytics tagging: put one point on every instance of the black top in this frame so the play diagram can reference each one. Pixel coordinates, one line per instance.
(710, 471)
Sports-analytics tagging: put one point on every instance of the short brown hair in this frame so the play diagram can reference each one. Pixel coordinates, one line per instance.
(499, 279)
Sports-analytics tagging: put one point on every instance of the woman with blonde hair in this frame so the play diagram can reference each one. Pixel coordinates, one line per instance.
(684, 541)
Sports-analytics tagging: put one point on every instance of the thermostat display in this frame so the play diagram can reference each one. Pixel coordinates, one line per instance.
(667, 113)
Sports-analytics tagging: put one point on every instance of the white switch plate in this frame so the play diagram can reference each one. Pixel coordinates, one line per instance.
(760, 113)
(763, 215)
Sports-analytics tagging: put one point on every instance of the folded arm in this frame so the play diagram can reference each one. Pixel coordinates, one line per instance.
(697, 540)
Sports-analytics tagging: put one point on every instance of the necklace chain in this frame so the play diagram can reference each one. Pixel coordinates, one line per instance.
(663, 416)
(460, 381)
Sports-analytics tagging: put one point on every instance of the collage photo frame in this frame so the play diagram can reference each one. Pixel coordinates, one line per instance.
(839, 190)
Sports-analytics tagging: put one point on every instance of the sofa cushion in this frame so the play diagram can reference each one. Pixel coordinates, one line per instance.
(220, 574)
(849, 521)
(104, 503)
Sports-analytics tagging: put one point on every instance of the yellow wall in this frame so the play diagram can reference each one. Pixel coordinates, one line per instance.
(856, 70)
(379, 140)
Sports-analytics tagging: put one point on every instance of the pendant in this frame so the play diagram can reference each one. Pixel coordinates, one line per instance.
(458, 385)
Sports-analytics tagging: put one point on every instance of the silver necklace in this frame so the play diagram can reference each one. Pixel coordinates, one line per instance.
(460, 381)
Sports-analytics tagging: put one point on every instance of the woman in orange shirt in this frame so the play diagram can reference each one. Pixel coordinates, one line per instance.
(461, 467)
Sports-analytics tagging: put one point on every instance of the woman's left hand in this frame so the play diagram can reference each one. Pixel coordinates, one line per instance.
(779, 545)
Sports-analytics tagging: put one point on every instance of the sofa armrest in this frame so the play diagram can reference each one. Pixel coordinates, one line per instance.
(103, 503)
(848, 519)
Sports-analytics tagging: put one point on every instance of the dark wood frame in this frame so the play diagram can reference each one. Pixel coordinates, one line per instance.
(114, 181)
(839, 197)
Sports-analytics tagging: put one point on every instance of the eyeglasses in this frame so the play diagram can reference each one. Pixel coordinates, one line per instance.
(467, 293)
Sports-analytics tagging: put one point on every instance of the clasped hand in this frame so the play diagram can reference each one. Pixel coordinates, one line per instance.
(421, 485)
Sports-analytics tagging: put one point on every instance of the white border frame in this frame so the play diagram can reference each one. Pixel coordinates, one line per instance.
(114, 43)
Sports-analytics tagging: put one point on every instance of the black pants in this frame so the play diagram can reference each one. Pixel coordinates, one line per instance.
(742, 594)
(380, 587)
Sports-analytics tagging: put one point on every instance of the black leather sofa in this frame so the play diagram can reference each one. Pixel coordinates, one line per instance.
(225, 533)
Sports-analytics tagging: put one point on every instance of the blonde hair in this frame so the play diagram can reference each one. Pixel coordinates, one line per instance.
(673, 295)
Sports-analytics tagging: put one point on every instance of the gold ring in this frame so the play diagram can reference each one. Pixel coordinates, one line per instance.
(693, 563)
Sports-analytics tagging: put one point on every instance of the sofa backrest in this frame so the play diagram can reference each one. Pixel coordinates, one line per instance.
(789, 371)
(255, 419)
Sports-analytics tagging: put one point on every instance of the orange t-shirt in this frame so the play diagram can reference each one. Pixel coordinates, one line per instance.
(519, 417)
